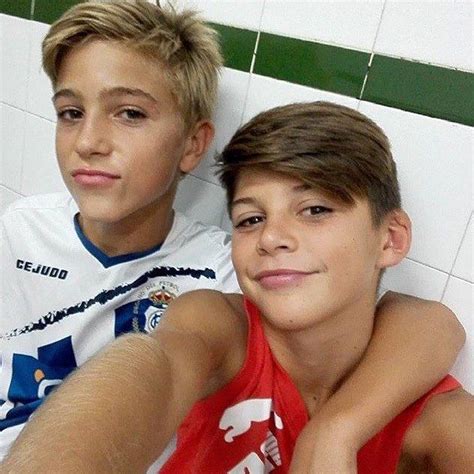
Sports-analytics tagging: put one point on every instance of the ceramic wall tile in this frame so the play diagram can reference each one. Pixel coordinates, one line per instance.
(18, 8)
(14, 52)
(200, 200)
(435, 32)
(458, 297)
(345, 23)
(7, 196)
(265, 93)
(434, 159)
(464, 263)
(312, 64)
(40, 170)
(227, 118)
(415, 279)
(39, 86)
(47, 11)
(424, 89)
(13, 130)
(241, 13)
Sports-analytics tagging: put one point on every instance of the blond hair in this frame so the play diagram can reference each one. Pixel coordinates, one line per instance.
(179, 41)
(329, 147)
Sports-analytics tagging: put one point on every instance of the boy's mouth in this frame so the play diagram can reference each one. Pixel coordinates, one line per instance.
(281, 278)
(89, 177)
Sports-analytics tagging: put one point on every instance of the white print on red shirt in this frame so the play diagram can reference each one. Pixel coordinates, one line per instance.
(238, 419)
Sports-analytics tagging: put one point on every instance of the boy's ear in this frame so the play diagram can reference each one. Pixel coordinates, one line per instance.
(197, 143)
(396, 239)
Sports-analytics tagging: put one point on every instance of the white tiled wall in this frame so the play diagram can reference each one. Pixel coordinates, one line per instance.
(438, 32)
(434, 156)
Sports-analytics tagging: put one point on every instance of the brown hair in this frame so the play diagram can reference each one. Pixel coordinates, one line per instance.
(327, 146)
(180, 41)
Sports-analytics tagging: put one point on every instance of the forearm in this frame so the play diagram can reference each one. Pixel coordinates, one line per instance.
(108, 417)
(415, 343)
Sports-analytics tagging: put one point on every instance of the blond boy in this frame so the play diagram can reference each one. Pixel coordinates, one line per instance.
(134, 88)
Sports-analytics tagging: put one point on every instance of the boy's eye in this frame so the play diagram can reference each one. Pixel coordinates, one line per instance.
(315, 210)
(248, 221)
(132, 114)
(69, 115)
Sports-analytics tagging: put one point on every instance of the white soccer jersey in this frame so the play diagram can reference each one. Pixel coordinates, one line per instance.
(62, 299)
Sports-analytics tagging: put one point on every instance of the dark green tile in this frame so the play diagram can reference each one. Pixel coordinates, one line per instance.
(312, 64)
(237, 46)
(48, 11)
(20, 8)
(428, 90)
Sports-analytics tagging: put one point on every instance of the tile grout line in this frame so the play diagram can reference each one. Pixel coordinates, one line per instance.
(456, 257)
(372, 52)
(8, 188)
(252, 64)
(32, 9)
(29, 112)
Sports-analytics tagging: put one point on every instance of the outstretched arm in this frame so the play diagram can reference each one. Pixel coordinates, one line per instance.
(119, 411)
(415, 342)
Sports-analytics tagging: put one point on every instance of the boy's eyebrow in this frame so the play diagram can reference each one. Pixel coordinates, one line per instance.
(68, 93)
(245, 200)
(119, 91)
(112, 92)
(299, 188)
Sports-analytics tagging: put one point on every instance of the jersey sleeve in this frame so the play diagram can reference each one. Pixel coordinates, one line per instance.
(226, 277)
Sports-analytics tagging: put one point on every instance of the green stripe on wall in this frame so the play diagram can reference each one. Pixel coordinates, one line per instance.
(421, 88)
(237, 46)
(48, 11)
(311, 64)
(21, 8)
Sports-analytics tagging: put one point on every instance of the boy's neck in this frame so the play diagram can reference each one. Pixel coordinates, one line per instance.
(138, 232)
(319, 359)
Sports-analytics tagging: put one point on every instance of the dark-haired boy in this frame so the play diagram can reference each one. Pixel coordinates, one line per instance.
(315, 205)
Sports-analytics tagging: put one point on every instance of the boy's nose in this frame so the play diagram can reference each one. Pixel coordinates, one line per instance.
(93, 139)
(276, 237)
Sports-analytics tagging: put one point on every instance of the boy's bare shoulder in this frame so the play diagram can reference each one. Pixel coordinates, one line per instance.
(209, 303)
(219, 321)
(441, 439)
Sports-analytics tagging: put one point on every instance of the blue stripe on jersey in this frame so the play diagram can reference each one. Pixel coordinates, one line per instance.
(103, 258)
(105, 296)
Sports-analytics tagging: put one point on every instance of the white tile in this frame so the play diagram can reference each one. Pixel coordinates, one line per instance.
(240, 13)
(15, 56)
(39, 86)
(265, 93)
(200, 200)
(40, 170)
(227, 117)
(346, 23)
(7, 196)
(458, 297)
(415, 279)
(434, 160)
(464, 263)
(13, 131)
(437, 32)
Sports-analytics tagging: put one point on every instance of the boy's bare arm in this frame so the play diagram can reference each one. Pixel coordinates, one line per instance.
(415, 343)
(442, 438)
(118, 412)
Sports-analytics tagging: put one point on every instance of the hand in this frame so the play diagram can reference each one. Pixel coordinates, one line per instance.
(324, 448)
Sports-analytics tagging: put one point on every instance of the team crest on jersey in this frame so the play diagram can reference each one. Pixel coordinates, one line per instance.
(33, 378)
(144, 314)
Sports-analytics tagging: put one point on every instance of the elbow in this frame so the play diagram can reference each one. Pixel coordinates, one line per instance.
(454, 327)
